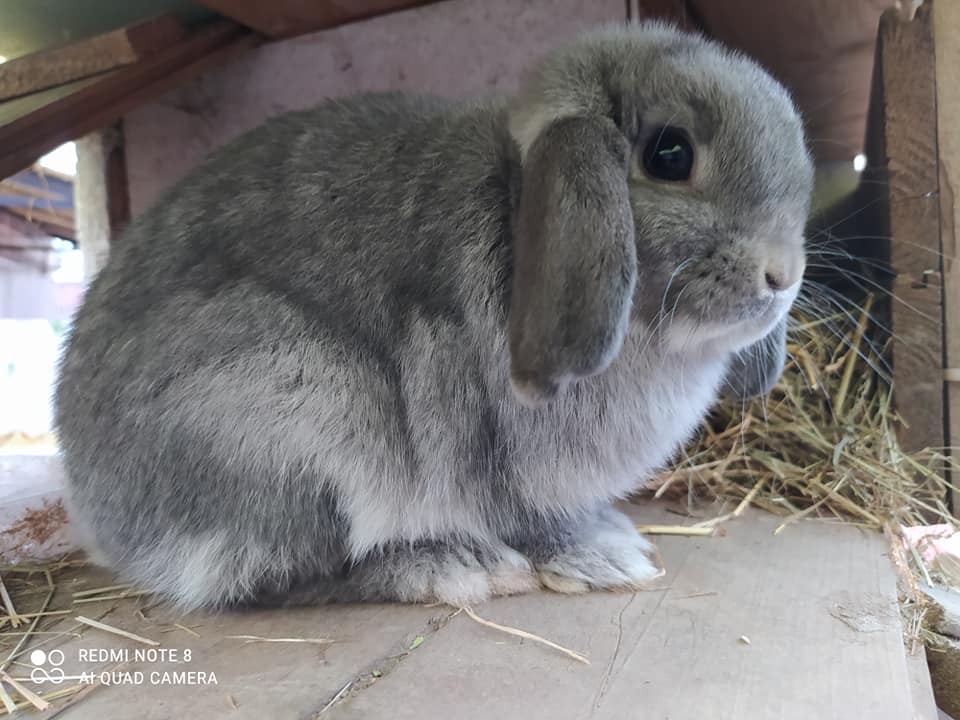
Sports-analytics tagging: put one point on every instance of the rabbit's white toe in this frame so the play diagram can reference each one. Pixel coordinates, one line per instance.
(612, 556)
(462, 579)
(513, 575)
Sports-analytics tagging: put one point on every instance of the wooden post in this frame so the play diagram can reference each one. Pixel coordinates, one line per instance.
(946, 25)
(899, 192)
(102, 198)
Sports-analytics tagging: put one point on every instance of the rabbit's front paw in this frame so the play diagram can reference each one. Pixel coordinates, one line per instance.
(608, 554)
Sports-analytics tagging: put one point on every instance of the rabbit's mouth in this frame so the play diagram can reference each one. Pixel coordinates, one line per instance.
(687, 335)
(727, 328)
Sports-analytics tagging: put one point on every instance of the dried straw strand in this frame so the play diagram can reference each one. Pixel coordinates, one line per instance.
(15, 619)
(690, 530)
(31, 697)
(525, 635)
(115, 630)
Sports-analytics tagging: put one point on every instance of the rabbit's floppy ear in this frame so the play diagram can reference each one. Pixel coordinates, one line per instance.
(756, 369)
(574, 263)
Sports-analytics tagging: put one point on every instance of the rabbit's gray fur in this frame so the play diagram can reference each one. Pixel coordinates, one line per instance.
(292, 380)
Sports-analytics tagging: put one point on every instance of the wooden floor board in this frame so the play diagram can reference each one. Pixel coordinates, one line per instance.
(744, 626)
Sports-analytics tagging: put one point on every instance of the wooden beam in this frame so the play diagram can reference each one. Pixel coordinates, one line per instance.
(41, 213)
(91, 56)
(900, 195)
(10, 186)
(30, 127)
(946, 20)
(50, 222)
(286, 18)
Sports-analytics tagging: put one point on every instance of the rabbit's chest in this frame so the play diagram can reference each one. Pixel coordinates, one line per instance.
(616, 437)
(647, 423)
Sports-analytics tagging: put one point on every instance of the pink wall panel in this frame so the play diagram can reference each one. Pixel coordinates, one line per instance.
(453, 48)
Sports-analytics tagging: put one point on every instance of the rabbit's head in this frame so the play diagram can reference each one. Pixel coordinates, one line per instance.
(665, 188)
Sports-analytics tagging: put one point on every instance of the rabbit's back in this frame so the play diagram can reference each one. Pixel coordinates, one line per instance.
(376, 186)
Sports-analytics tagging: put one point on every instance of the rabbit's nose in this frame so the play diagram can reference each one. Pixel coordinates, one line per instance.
(775, 280)
(782, 274)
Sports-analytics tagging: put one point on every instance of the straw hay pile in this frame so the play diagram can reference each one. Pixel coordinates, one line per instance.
(35, 598)
(824, 442)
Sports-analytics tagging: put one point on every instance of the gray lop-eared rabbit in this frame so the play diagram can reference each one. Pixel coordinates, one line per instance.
(400, 348)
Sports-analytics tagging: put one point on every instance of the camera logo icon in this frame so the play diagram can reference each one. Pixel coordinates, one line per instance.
(47, 667)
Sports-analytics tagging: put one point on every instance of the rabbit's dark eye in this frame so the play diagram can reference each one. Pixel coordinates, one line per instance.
(668, 156)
